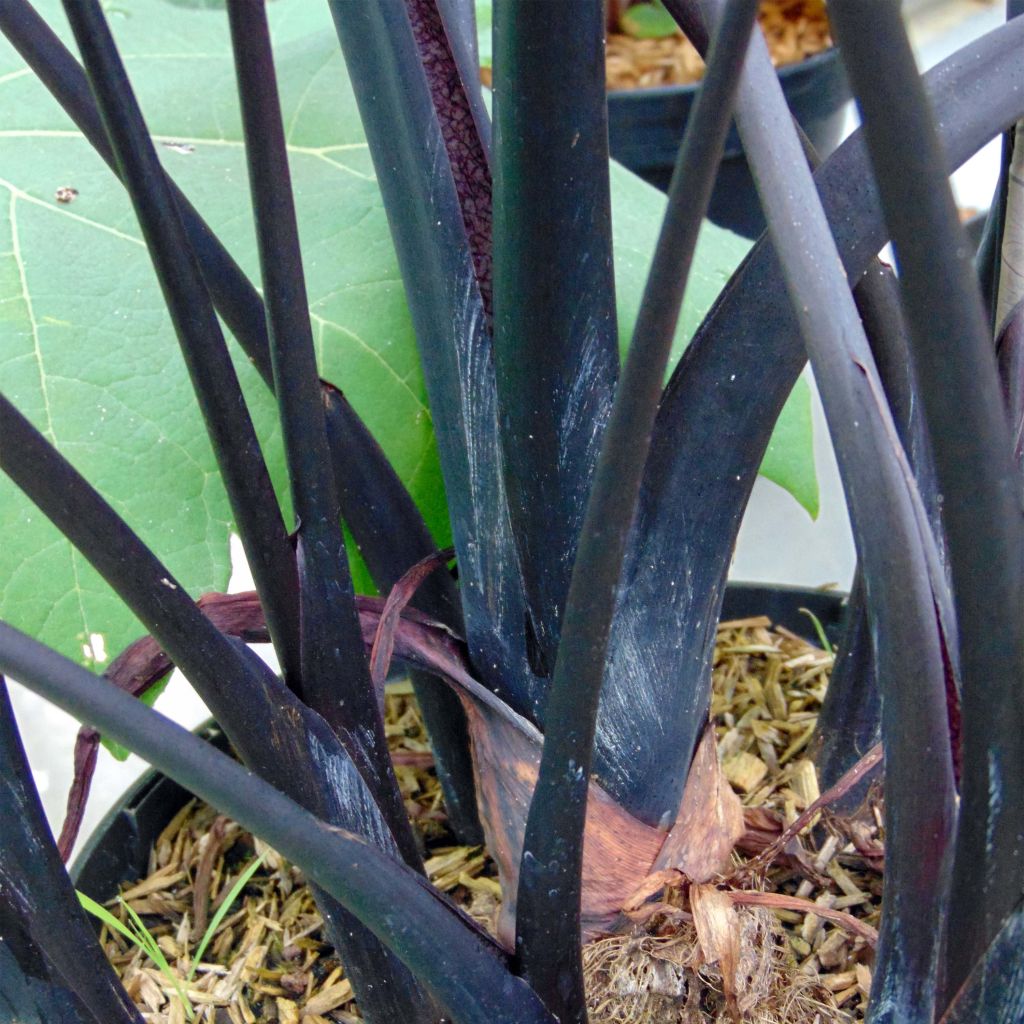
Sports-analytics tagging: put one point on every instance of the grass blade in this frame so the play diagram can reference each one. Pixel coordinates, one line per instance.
(142, 937)
(548, 897)
(222, 912)
(555, 331)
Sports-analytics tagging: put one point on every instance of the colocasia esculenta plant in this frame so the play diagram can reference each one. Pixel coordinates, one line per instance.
(563, 669)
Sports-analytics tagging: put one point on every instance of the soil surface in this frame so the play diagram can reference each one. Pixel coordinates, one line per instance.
(798, 928)
(794, 29)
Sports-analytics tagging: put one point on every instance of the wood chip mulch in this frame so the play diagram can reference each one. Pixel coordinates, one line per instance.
(794, 30)
(266, 961)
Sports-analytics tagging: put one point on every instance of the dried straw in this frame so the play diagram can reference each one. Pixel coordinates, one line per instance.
(799, 960)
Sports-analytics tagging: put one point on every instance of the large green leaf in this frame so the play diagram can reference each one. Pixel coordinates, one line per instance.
(86, 350)
(637, 210)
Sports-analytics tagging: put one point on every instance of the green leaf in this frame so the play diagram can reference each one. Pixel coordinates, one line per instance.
(789, 460)
(636, 211)
(86, 350)
(648, 21)
(484, 26)
(225, 905)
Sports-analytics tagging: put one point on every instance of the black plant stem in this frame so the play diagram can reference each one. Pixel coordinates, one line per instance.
(335, 678)
(36, 888)
(427, 191)
(464, 969)
(655, 697)
(956, 370)
(849, 723)
(554, 307)
(221, 674)
(989, 257)
(390, 532)
(548, 900)
(892, 539)
(731, 374)
(231, 432)
(850, 720)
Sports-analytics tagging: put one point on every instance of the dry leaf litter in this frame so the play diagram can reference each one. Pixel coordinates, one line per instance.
(794, 30)
(695, 954)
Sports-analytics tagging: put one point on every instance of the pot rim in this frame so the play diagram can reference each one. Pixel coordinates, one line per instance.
(801, 67)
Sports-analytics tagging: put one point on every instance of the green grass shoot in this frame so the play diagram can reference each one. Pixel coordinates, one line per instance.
(136, 932)
(824, 641)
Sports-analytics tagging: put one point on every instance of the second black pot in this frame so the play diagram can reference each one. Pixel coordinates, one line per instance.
(645, 127)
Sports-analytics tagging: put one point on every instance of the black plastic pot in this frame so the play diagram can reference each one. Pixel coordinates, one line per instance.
(118, 850)
(645, 127)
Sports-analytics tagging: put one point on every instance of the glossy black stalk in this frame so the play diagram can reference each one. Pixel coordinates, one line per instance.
(391, 535)
(239, 458)
(37, 898)
(463, 968)
(556, 351)
(277, 736)
(994, 990)
(334, 676)
(425, 212)
(675, 575)
(1010, 357)
(956, 371)
(891, 538)
(376, 506)
(988, 260)
(31, 989)
(850, 720)
(548, 898)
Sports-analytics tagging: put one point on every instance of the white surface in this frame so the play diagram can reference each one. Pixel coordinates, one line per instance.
(778, 541)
